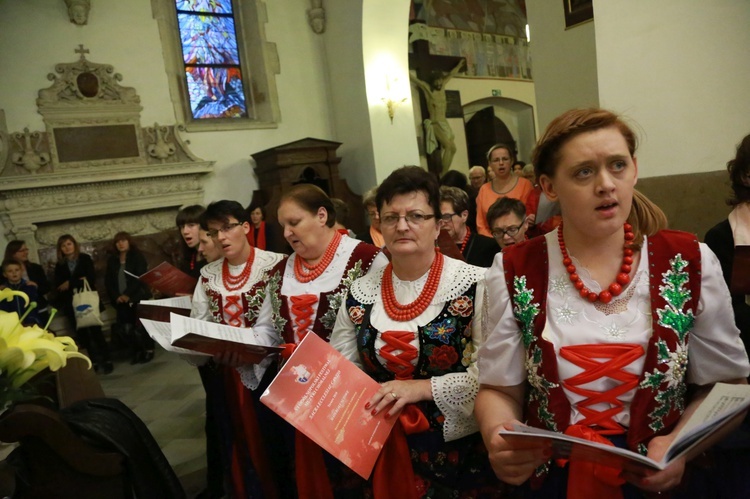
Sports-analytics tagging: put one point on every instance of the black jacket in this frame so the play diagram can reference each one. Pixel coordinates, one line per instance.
(721, 241)
(135, 263)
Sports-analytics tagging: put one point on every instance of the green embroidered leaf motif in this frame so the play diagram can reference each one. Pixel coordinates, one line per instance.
(652, 380)
(524, 310)
(679, 322)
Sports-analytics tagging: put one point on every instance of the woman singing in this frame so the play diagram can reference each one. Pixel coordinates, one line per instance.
(415, 327)
(609, 328)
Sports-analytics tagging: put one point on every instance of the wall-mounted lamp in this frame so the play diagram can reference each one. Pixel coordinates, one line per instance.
(391, 101)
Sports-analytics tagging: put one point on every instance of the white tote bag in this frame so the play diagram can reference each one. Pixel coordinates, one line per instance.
(86, 307)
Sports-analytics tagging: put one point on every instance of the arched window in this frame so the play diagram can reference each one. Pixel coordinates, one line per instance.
(220, 67)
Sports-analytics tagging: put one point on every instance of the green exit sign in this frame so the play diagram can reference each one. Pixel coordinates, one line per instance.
(496, 93)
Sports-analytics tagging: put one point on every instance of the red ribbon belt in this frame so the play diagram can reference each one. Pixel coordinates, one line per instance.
(589, 480)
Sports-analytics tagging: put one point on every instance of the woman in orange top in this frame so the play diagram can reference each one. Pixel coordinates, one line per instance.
(500, 160)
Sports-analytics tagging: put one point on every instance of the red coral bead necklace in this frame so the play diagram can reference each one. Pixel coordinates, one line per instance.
(622, 279)
(304, 272)
(403, 313)
(235, 282)
(466, 240)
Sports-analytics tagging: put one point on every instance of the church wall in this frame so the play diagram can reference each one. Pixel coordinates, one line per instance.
(564, 61)
(37, 34)
(679, 70)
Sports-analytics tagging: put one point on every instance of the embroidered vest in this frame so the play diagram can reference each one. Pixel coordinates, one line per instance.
(328, 303)
(444, 344)
(250, 300)
(674, 268)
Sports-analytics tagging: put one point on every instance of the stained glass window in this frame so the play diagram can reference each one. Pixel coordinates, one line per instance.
(213, 72)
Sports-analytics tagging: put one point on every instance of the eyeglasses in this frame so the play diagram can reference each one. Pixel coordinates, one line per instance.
(413, 218)
(511, 231)
(446, 217)
(214, 233)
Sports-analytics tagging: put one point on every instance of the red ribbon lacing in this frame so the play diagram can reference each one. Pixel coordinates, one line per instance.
(395, 458)
(310, 468)
(233, 310)
(596, 423)
(401, 363)
(302, 310)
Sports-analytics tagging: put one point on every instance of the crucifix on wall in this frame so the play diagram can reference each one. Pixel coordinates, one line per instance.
(433, 73)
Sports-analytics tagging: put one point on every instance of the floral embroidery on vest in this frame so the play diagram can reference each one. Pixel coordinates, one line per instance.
(274, 284)
(214, 307)
(254, 299)
(672, 364)
(336, 298)
(525, 311)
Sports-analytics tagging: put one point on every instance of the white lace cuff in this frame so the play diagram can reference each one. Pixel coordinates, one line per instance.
(252, 374)
(454, 394)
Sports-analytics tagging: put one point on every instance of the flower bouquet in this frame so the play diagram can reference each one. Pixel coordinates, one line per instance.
(26, 351)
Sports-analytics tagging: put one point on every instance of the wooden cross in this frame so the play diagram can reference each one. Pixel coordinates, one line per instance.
(81, 50)
(426, 65)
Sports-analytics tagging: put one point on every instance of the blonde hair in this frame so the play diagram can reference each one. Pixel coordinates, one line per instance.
(646, 218)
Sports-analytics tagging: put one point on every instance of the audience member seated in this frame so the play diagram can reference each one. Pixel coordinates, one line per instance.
(71, 269)
(373, 236)
(507, 218)
(33, 274)
(476, 249)
(735, 231)
(125, 292)
(505, 184)
(13, 279)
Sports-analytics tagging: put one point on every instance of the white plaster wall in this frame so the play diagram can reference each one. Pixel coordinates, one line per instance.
(348, 96)
(385, 30)
(564, 62)
(36, 34)
(679, 69)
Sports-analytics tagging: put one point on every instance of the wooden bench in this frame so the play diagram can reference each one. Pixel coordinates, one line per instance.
(59, 463)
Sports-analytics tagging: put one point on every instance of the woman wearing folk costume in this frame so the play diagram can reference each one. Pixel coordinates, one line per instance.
(415, 327)
(303, 295)
(612, 365)
(231, 291)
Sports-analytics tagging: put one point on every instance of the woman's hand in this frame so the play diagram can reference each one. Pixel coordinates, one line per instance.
(398, 394)
(64, 286)
(514, 464)
(659, 481)
(123, 299)
(227, 358)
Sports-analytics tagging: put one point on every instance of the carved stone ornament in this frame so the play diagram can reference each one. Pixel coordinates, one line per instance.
(94, 162)
(32, 159)
(78, 11)
(316, 16)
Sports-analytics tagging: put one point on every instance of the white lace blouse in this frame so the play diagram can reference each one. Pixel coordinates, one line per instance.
(715, 351)
(454, 393)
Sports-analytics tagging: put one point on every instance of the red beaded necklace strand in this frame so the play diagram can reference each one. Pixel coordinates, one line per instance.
(312, 272)
(403, 313)
(614, 289)
(466, 240)
(235, 282)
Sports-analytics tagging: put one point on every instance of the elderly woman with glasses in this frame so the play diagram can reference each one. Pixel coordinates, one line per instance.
(476, 249)
(303, 295)
(414, 326)
(508, 222)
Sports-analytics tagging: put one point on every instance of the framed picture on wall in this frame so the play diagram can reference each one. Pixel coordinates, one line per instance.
(577, 12)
